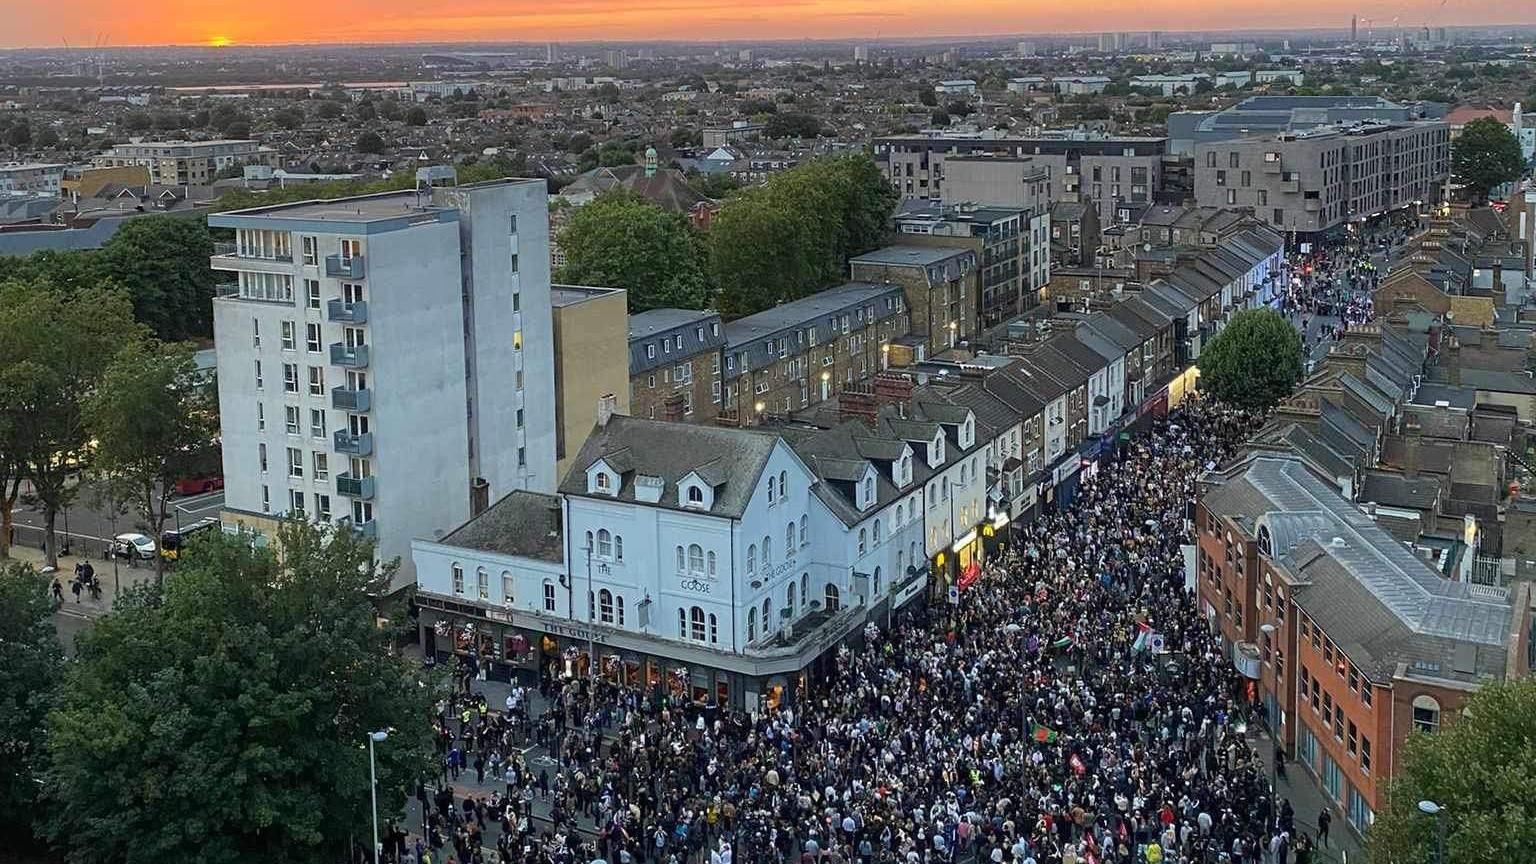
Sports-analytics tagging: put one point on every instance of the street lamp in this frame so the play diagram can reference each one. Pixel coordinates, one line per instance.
(1430, 808)
(373, 788)
(1268, 630)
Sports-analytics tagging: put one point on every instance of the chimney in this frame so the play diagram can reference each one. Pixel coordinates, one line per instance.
(893, 388)
(479, 496)
(607, 406)
(857, 403)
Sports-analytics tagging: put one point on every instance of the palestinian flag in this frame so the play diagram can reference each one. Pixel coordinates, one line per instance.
(1142, 633)
(1063, 642)
(1044, 735)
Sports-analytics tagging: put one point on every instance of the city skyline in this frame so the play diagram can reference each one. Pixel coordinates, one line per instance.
(161, 22)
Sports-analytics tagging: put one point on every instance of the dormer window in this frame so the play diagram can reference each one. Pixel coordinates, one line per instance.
(604, 482)
(695, 496)
(869, 491)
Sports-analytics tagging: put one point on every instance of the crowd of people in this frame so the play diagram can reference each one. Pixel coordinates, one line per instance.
(1334, 284)
(1075, 707)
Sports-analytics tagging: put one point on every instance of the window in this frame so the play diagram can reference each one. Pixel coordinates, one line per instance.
(682, 623)
(296, 502)
(803, 538)
(1365, 692)
(767, 552)
(258, 374)
(714, 630)
(604, 544)
(549, 596)
(869, 491)
(605, 606)
(789, 542)
(772, 495)
(322, 466)
(789, 599)
(695, 558)
(291, 419)
(290, 377)
(862, 540)
(682, 560)
(482, 584)
(1365, 754)
(261, 456)
(312, 337)
(619, 605)
(602, 481)
(261, 417)
(618, 548)
(312, 293)
(1338, 723)
(316, 423)
(266, 499)
(751, 624)
(507, 585)
(458, 580)
(767, 615)
(696, 619)
(255, 333)
(782, 476)
(751, 559)
(295, 462)
(288, 336)
(834, 600)
(322, 507)
(1426, 713)
(1352, 741)
(876, 534)
(695, 496)
(711, 564)
(317, 381)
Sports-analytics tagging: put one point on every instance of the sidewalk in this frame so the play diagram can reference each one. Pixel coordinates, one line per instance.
(1308, 799)
(87, 607)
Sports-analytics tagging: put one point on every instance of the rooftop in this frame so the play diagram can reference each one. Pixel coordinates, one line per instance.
(798, 312)
(653, 321)
(914, 256)
(570, 295)
(524, 524)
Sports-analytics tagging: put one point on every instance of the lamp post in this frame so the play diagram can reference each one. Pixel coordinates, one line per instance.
(591, 602)
(1268, 630)
(373, 788)
(1430, 808)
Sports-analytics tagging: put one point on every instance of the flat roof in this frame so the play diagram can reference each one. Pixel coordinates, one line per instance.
(916, 256)
(570, 295)
(363, 208)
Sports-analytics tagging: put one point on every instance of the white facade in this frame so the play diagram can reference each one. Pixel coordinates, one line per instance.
(32, 178)
(381, 357)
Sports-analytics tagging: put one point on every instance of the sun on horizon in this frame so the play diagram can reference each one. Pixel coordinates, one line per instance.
(220, 41)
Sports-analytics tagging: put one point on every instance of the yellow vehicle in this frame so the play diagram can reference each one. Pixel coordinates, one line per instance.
(172, 541)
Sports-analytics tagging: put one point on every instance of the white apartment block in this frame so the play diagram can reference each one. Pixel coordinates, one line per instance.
(30, 178)
(188, 163)
(387, 359)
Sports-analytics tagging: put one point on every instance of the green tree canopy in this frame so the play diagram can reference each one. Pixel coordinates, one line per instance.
(225, 719)
(620, 240)
(1485, 155)
(1253, 363)
(30, 663)
(153, 421)
(1480, 767)
(793, 235)
(161, 262)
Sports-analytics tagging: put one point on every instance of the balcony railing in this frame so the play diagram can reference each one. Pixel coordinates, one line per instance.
(369, 529)
(354, 487)
(233, 250)
(353, 445)
(347, 313)
(344, 268)
(227, 289)
(343, 399)
(225, 249)
(352, 357)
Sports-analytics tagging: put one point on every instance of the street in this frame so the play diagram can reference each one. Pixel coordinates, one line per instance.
(90, 525)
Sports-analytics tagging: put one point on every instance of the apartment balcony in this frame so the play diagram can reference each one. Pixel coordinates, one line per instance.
(1312, 205)
(1291, 185)
(229, 256)
(358, 401)
(354, 487)
(343, 312)
(344, 268)
(231, 291)
(366, 530)
(1273, 167)
(348, 444)
(352, 357)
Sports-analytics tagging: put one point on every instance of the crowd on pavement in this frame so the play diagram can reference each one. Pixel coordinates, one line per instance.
(1333, 284)
(1074, 708)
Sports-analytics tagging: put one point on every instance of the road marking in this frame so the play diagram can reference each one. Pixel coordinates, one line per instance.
(183, 502)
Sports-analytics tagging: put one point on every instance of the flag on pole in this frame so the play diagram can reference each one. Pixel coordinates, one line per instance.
(1063, 642)
(1077, 764)
(1142, 633)
(1044, 735)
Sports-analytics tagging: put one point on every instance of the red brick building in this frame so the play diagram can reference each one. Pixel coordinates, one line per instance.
(1349, 640)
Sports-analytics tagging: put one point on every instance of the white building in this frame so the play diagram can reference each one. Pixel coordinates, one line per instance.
(30, 178)
(956, 87)
(387, 359)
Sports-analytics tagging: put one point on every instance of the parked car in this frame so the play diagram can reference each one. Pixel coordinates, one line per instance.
(172, 540)
(134, 545)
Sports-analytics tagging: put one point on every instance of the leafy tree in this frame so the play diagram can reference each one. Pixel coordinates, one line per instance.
(328, 110)
(1485, 155)
(417, 116)
(792, 125)
(53, 348)
(365, 112)
(153, 421)
(958, 108)
(30, 663)
(224, 116)
(578, 143)
(390, 110)
(927, 97)
(46, 140)
(288, 118)
(19, 135)
(620, 240)
(940, 118)
(1255, 362)
(162, 264)
(238, 129)
(1479, 767)
(370, 142)
(225, 717)
(684, 136)
(138, 121)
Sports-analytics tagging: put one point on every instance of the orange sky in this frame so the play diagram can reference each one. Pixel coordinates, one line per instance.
(148, 22)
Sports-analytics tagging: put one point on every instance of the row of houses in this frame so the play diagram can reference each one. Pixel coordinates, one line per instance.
(724, 562)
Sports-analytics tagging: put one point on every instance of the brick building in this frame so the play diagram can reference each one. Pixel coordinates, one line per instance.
(1348, 640)
(674, 364)
(940, 287)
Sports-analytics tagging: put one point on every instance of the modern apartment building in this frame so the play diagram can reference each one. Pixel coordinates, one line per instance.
(1262, 116)
(1012, 244)
(30, 178)
(387, 360)
(188, 163)
(1313, 181)
(1107, 172)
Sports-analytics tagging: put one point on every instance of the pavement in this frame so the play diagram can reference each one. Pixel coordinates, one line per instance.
(1307, 798)
(89, 525)
(75, 615)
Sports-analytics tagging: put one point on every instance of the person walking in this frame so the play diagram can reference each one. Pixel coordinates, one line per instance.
(1280, 763)
(1324, 820)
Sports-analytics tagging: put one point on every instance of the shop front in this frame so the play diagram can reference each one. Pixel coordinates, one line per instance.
(1064, 479)
(1183, 386)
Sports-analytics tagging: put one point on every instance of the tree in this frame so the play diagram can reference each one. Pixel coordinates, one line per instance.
(30, 662)
(620, 240)
(365, 112)
(288, 118)
(927, 97)
(53, 348)
(370, 142)
(417, 116)
(328, 110)
(19, 136)
(138, 121)
(153, 421)
(1477, 766)
(792, 125)
(1485, 155)
(162, 264)
(224, 718)
(958, 108)
(1253, 363)
(940, 118)
(578, 143)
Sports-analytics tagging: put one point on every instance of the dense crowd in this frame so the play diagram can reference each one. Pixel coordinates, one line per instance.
(1334, 283)
(1074, 707)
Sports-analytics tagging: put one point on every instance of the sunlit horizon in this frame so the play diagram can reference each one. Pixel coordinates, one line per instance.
(170, 23)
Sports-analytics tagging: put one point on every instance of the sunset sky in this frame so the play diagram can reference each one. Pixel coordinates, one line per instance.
(47, 23)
